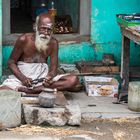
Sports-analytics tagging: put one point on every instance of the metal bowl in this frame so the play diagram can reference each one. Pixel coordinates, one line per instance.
(46, 99)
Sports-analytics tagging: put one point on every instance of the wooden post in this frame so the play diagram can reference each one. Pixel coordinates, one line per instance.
(125, 62)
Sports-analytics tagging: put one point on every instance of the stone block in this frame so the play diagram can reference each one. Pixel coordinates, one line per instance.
(29, 100)
(10, 108)
(73, 113)
(56, 116)
(37, 115)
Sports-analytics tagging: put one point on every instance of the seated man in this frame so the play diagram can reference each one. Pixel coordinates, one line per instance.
(28, 61)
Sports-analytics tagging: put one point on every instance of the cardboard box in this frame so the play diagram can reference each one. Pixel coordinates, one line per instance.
(101, 86)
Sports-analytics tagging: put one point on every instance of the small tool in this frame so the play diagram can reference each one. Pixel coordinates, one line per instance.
(50, 90)
(36, 81)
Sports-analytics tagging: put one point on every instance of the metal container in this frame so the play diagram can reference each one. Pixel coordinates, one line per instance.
(46, 99)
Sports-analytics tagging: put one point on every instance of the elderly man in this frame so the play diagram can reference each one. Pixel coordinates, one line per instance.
(28, 61)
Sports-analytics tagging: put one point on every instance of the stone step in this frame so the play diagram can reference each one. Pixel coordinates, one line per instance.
(55, 116)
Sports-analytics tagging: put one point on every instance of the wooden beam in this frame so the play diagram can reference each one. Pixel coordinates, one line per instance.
(125, 62)
(100, 69)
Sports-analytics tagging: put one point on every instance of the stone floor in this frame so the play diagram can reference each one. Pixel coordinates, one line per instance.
(93, 108)
(101, 107)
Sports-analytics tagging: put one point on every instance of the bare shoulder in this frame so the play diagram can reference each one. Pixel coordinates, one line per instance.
(54, 42)
(25, 37)
(53, 46)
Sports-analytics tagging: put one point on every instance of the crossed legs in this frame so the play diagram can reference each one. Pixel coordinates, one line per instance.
(64, 83)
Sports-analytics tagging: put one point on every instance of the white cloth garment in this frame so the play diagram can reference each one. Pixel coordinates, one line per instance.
(30, 70)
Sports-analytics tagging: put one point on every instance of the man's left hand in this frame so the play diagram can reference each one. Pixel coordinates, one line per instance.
(48, 81)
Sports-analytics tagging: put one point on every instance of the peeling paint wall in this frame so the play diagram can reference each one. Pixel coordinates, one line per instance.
(104, 28)
(105, 32)
(76, 52)
(67, 53)
(105, 35)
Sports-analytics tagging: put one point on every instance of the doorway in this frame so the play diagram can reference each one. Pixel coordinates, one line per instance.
(24, 12)
(17, 18)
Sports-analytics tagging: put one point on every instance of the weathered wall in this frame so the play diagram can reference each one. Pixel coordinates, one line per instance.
(105, 32)
(104, 28)
(67, 53)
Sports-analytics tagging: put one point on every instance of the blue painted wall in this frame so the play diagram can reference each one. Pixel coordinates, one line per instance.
(105, 32)
(6, 51)
(67, 53)
(104, 28)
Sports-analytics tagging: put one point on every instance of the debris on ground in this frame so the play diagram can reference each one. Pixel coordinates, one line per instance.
(57, 131)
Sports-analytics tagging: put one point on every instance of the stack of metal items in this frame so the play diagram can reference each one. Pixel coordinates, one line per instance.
(63, 24)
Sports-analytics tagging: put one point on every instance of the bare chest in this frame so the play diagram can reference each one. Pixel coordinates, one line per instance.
(32, 55)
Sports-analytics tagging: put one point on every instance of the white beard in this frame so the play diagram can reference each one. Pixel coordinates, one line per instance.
(41, 43)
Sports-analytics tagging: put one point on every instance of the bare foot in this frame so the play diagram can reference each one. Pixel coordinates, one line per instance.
(35, 90)
(24, 89)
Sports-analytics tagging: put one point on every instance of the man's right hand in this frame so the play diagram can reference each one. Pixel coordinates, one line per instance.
(26, 82)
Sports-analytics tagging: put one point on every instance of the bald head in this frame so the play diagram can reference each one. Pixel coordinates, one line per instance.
(44, 17)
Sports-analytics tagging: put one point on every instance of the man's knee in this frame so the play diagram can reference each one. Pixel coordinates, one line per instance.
(5, 88)
(73, 80)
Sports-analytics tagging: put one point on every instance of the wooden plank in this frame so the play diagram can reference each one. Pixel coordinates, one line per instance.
(127, 35)
(131, 34)
(134, 72)
(100, 69)
(125, 62)
(136, 68)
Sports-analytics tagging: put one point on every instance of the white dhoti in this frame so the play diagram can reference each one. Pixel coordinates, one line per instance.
(30, 70)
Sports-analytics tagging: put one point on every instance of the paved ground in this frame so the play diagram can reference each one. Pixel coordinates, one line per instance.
(101, 107)
(93, 108)
(98, 130)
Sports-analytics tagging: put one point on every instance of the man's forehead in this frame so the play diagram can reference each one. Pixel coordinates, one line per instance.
(46, 22)
(47, 25)
(45, 19)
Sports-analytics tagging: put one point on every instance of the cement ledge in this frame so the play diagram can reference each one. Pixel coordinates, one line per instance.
(111, 117)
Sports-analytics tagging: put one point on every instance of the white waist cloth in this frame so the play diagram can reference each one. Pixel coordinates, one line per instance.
(30, 70)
